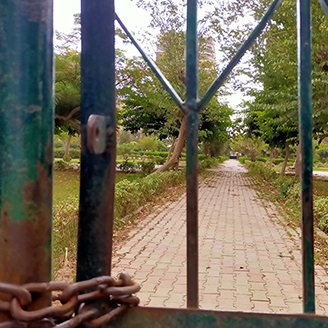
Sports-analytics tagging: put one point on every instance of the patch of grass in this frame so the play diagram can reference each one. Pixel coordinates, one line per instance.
(132, 191)
(320, 169)
(66, 184)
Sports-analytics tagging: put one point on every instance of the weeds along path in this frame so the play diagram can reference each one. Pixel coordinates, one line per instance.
(247, 261)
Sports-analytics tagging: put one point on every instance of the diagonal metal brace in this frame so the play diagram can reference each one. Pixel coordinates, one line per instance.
(239, 54)
(166, 84)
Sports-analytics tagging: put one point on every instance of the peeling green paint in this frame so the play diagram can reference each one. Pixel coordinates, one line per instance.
(26, 134)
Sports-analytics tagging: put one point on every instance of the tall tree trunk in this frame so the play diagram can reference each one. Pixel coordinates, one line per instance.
(67, 148)
(297, 164)
(173, 162)
(170, 150)
(284, 164)
(271, 157)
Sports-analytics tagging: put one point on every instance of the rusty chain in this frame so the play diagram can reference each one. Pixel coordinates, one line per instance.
(98, 301)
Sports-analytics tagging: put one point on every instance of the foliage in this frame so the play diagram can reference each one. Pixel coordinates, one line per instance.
(146, 105)
(288, 189)
(65, 226)
(125, 149)
(251, 147)
(129, 196)
(273, 115)
(210, 162)
(147, 167)
(127, 166)
(243, 159)
(148, 143)
(62, 165)
(260, 169)
(323, 152)
(74, 153)
(320, 205)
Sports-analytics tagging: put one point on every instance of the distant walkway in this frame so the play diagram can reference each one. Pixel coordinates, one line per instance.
(247, 260)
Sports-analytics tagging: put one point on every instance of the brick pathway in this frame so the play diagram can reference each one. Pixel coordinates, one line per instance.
(248, 261)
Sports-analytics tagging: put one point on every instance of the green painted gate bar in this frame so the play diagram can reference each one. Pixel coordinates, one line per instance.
(26, 139)
(305, 133)
(98, 126)
(192, 153)
(148, 317)
(26, 132)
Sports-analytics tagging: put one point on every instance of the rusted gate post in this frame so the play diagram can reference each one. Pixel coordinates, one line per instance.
(26, 138)
(98, 122)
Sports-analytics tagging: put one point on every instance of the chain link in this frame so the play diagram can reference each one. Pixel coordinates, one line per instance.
(99, 300)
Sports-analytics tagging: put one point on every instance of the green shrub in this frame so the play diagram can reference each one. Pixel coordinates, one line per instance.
(222, 158)
(127, 166)
(243, 159)
(147, 167)
(284, 184)
(75, 153)
(262, 159)
(320, 205)
(61, 165)
(323, 153)
(159, 160)
(278, 161)
(201, 157)
(259, 168)
(65, 226)
(129, 196)
(208, 163)
(127, 199)
(125, 149)
(58, 153)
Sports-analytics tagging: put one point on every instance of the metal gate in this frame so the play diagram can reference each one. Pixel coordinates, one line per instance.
(26, 138)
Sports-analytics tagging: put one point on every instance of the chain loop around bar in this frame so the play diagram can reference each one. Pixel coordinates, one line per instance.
(114, 295)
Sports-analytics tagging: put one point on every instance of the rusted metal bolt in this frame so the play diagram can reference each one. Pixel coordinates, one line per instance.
(97, 134)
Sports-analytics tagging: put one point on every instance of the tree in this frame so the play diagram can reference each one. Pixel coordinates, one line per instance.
(275, 108)
(149, 107)
(67, 84)
(148, 143)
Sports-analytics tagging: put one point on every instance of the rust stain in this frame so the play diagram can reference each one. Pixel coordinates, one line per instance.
(49, 152)
(34, 108)
(25, 246)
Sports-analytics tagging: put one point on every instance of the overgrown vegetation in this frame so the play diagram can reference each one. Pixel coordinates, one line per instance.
(286, 190)
(132, 191)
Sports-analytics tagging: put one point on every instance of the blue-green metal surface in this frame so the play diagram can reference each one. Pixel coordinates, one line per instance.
(97, 170)
(26, 139)
(192, 154)
(147, 317)
(324, 5)
(166, 84)
(305, 128)
(240, 53)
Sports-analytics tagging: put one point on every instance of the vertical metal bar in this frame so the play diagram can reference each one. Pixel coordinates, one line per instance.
(26, 139)
(192, 154)
(97, 168)
(305, 119)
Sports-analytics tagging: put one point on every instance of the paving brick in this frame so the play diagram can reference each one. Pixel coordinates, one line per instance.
(245, 254)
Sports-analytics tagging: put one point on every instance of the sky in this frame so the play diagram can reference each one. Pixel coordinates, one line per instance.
(133, 17)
